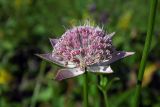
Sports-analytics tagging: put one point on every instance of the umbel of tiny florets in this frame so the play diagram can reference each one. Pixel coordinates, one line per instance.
(83, 47)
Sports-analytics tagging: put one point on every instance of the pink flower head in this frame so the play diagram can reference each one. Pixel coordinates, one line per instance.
(83, 47)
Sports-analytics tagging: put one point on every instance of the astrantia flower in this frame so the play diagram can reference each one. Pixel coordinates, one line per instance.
(83, 49)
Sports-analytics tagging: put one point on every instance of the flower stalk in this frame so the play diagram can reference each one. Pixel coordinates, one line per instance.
(85, 89)
(38, 84)
(105, 98)
(145, 52)
(104, 88)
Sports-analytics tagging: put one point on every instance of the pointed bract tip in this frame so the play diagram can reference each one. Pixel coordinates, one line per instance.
(53, 41)
(57, 79)
(39, 55)
(68, 73)
(111, 34)
(129, 53)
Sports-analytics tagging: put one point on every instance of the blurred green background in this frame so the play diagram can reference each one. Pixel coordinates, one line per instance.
(25, 29)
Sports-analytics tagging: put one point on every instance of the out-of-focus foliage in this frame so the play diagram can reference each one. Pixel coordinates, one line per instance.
(26, 25)
(5, 77)
(149, 72)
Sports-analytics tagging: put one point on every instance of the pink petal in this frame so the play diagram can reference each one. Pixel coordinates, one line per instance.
(51, 58)
(115, 56)
(100, 69)
(68, 73)
(53, 41)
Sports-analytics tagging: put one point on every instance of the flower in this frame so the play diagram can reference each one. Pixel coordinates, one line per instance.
(83, 48)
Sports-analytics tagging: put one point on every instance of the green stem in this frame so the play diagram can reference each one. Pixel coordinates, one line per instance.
(104, 88)
(38, 84)
(85, 89)
(105, 98)
(145, 52)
